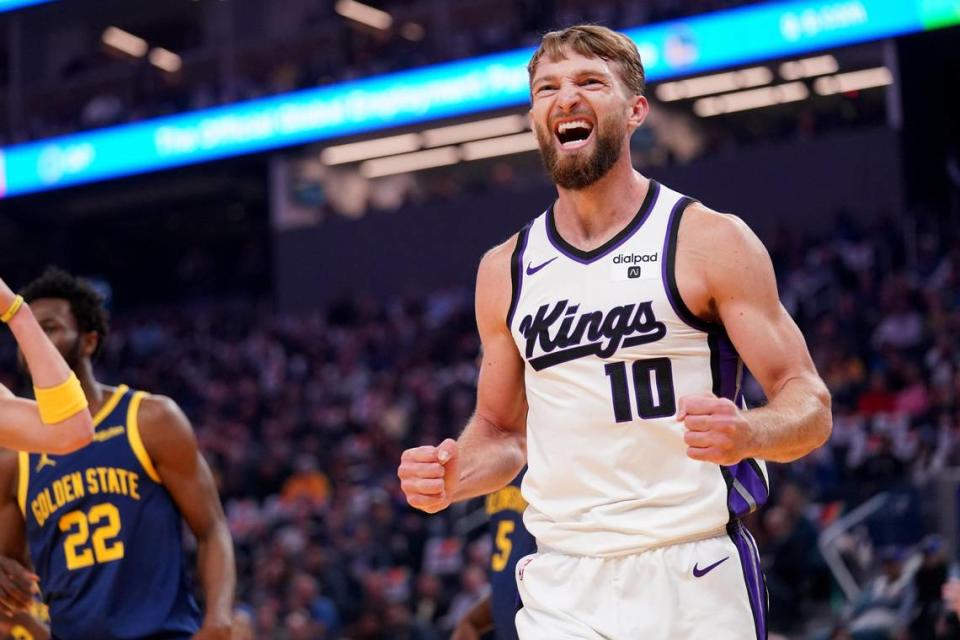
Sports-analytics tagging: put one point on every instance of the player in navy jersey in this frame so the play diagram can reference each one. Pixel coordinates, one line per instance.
(103, 525)
(616, 327)
(511, 541)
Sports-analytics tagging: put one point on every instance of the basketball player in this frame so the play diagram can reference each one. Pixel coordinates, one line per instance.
(511, 541)
(104, 524)
(59, 422)
(613, 327)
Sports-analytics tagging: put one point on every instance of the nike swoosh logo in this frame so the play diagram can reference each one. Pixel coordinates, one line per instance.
(533, 269)
(699, 573)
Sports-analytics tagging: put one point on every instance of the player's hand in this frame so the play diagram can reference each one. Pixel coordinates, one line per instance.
(213, 632)
(17, 586)
(429, 476)
(951, 595)
(716, 430)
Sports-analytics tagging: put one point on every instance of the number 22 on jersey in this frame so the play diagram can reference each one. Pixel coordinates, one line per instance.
(104, 520)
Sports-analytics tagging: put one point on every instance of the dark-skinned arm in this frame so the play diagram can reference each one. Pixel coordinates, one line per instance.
(475, 622)
(172, 446)
(17, 583)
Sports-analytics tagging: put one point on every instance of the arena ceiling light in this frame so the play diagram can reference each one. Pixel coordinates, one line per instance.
(125, 41)
(853, 81)
(413, 31)
(474, 130)
(165, 59)
(808, 67)
(715, 83)
(502, 146)
(356, 151)
(410, 162)
(750, 99)
(364, 14)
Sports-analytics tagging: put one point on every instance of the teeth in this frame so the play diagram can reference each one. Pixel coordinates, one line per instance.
(575, 124)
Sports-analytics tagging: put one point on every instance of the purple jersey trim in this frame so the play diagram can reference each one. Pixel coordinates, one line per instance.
(587, 257)
(516, 272)
(752, 574)
(747, 488)
(668, 267)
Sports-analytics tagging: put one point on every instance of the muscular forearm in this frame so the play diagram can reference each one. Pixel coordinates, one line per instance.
(795, 422)
(217, 574)
(490, 457)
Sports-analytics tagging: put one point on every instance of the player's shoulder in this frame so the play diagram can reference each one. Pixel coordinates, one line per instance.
(703, 229)
(157, 410)
(707, 221)
(165, 429)
(495, 284)
(496, 261)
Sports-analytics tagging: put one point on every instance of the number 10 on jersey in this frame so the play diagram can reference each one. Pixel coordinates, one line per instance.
(652, 386)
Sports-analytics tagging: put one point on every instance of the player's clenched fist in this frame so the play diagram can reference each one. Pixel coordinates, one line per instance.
(716, 430)
(429, 476)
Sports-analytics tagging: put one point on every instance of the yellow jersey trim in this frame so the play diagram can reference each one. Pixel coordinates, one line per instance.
(23, 462)
(109, 405)
(133, 434)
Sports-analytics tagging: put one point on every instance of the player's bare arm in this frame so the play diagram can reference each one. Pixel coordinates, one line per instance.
(476, 622)
(172, 446)
(17, 582)
(24, 425)
(725, 275)
(492, 448)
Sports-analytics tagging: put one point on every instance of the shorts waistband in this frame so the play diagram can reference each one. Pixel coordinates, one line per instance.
(719, 532)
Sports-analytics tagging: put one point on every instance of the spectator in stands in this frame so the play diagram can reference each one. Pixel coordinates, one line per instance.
(886, 606)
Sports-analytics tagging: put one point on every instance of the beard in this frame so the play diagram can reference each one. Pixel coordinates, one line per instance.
(72, 355)
(579, 171)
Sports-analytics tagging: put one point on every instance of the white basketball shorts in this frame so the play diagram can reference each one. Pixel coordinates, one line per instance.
(706, 590)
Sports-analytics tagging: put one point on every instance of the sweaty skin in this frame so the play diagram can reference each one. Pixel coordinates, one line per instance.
(735, 287)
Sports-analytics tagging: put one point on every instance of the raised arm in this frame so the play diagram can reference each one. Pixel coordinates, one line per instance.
(172, 446)
(492, 448)
(738, 289)
(61, 423)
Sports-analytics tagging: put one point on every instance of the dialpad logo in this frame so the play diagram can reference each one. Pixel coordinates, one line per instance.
(636, 258)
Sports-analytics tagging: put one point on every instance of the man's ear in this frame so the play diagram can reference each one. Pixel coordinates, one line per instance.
(89, 342)
(639, 110)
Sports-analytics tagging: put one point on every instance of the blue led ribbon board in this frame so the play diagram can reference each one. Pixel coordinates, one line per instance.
(670, 49)
(10, 5)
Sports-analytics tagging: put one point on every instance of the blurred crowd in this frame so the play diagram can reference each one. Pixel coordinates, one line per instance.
(306, 45)
(303, 418)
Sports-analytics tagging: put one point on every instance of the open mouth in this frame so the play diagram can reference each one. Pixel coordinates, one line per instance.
(573, 133)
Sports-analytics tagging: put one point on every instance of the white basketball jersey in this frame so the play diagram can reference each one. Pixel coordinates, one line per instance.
(609, 348)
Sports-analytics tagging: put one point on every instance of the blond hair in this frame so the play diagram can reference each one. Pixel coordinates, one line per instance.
(595, 42)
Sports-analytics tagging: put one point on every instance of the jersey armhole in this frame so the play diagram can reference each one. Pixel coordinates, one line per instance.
(516, 273)
(669, 270)
(23, 480)
(136, 443)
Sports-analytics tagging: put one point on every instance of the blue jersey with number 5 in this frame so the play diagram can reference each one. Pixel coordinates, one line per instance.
(105, 536)
(511, 541)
